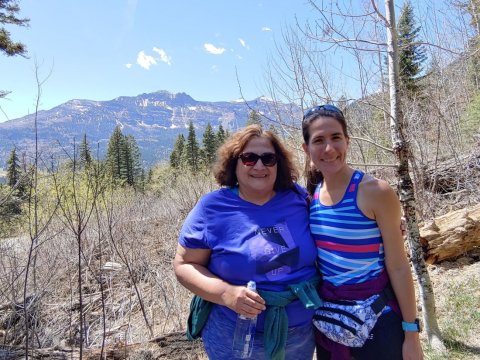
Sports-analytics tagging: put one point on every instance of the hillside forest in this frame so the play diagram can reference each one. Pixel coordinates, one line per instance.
(87, 243)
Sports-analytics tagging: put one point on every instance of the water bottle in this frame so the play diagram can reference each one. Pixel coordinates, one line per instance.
(244, 332)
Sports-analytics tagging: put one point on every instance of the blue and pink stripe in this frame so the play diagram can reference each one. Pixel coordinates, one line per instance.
(349, 245)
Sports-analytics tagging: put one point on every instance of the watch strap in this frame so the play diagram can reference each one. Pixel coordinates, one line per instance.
(411, 326)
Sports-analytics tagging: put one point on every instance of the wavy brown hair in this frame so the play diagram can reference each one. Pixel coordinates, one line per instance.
(227, 156)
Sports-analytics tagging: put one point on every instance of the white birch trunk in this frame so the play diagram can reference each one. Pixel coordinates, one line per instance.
(405, 185)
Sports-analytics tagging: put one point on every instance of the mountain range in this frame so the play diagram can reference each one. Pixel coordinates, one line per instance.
(154, 119)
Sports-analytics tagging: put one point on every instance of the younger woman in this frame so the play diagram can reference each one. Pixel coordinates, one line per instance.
(355, 222)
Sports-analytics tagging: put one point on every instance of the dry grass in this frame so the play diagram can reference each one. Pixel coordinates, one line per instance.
(139, 300)
(457, 295)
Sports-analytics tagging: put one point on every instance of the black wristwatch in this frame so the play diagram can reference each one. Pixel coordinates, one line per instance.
(411, 326)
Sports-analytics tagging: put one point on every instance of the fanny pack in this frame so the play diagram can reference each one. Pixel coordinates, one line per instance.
(349, 322)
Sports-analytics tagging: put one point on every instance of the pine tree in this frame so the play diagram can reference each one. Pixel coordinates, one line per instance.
(411, 54)
(8, 15)
(221, 136)
(176, 156)
(209, 146)
(254, 118)
(115, 157)
(124, 158)
(192, 149)
(126, 168)
(149, 176)
(84, 153)
(132, 160)
(13, 169)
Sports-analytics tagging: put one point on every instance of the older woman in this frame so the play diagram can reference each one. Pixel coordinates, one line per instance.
(253, 228)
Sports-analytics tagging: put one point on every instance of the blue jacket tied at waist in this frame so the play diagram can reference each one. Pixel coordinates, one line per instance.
(276, 319)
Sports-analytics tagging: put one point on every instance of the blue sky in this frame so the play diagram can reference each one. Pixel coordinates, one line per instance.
(103, 49)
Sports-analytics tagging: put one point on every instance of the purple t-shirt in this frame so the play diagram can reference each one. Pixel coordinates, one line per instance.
(270, 244)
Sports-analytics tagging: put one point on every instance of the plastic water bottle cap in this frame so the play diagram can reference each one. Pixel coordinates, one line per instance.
(252, 285)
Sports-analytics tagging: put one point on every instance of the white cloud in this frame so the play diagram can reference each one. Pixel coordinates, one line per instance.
(266, 28)
(128, 66)
(212, 49)
(242, 42)
(163, 56)
(145, 61)
(214, 68)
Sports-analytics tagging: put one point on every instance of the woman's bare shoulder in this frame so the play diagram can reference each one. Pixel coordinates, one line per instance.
(373, 186)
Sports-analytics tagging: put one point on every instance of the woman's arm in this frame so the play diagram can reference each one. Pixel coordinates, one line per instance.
(385, 206)
(190, 267)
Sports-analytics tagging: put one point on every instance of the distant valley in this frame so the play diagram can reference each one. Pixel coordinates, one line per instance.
(154, 119)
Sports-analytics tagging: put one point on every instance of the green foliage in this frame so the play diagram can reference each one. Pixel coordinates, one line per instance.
(177, 154)
(8, 15)
(470, 120)
(10, 211)
(16, 178)
(132, 169)
(114, 153)
(254, 118)
(411, 54)
(13, 169)
(124, 158)
(473, 64)
(222, 135)
(192, 151)
(84, 153)
(209, 146)
(76, 190)
(187, 155)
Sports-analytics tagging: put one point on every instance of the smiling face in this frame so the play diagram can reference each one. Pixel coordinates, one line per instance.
(327, 145)
(256, 182)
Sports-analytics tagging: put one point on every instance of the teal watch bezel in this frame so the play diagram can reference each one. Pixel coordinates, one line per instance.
(411, 326)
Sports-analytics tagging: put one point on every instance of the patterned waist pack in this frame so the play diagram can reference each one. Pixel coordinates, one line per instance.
(349, 322)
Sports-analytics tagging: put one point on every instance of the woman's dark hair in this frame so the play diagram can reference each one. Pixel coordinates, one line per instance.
(227, 157)
(313, 176)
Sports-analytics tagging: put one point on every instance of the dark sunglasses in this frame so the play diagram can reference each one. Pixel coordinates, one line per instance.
(250, 159)
(317, 109)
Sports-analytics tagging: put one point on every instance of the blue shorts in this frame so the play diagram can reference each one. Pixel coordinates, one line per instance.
(217, 336)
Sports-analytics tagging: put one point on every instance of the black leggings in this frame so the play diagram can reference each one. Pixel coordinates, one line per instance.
(385, 341)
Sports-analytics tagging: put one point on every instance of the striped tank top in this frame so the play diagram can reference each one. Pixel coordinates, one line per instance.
(349, 244)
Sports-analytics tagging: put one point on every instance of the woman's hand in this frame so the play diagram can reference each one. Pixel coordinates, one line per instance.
(243, 301)
(191, 269)
(412, 349)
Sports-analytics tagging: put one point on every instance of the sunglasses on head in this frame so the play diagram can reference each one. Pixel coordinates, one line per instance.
(313, 111)
(250, 159)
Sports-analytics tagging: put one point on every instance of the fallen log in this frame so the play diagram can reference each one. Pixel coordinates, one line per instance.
(451, 235)
(451, 174)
